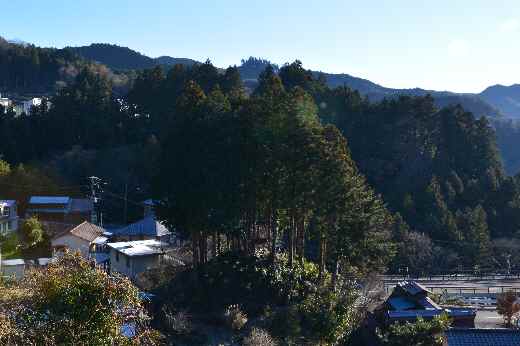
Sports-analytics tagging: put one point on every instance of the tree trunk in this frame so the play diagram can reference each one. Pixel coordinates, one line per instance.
(335, 273)
(214, 244)
(291, 239)
(322, 256)
(274, 236)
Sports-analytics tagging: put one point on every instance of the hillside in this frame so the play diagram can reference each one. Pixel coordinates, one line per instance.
(27, 69)
(252, 67)
(505, 98)
(123, 58)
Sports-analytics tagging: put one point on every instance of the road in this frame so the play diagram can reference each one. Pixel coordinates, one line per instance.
(488, 319)
(471, 286)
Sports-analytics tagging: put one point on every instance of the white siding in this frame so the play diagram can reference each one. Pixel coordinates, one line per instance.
(131, 266)
(73, 243)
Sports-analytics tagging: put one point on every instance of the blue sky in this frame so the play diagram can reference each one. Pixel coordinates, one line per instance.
(458, 45)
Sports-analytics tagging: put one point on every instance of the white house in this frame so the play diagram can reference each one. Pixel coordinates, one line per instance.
(5, 103)
(13, 268)
(8, 217)
(83, 238)
(29, 104)
(131, 258)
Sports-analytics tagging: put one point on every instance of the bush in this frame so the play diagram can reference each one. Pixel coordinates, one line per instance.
(71, 303)
(234, 317)
(259, 337)
(420, 333)
(231, 279)
(178, 322)
(508, 306)
(328, 315)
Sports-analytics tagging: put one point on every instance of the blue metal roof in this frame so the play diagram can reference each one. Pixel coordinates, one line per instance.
(399, 303)
(483, 337)
(49, 200)
(148, 226)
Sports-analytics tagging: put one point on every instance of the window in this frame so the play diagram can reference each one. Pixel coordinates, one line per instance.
(6, 211)
(117, 256)
(127, 262)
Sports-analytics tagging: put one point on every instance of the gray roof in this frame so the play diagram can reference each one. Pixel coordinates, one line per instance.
(49, 200)
(139, 247)
(7, 202)
(13, 262)
(483, 337)
(413, 287)
(148, 226)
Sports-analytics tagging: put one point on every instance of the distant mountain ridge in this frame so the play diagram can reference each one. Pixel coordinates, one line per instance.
(506, 98)
(495, 102)
(123, 58)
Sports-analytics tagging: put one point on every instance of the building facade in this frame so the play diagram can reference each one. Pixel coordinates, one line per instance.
(8, 217)
(60, 209)
(83, 238)
(134, 257)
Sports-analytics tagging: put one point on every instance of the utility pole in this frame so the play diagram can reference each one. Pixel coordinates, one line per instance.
(125, 213)
(95, 184)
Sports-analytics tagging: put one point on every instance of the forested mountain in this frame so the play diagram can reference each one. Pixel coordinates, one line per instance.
(437, 169)
(29, 69)
(251, 68)
(505, 98)
(123, 58)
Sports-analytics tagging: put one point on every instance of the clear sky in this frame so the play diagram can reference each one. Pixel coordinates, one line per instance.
(458, 45)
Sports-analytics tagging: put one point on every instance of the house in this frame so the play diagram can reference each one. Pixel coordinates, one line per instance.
(28, 105)
(148, 206)
(8, 216)
(13, 268)
(147, 228)
(4, 103)
(134, 257)
(410, 300)
(85, 238)
(482, 337)
(61, 209)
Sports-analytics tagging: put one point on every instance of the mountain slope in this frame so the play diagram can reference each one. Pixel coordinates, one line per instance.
(123, 58)
(505, 98)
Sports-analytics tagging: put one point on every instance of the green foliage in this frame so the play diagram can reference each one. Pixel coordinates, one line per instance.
(10, 246)
(328, 316)
(72, 303)
(420, 333)
(249, 282)
(508, 306)
(31, 232)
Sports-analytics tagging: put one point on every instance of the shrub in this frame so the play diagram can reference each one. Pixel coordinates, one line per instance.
(259, 337)
(508, 306)
(420, 333)
(71, 303)
(234, 317)
(178, 322)
(328, 315)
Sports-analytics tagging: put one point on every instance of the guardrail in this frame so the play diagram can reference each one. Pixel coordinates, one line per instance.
(451, 277)
(465, 290)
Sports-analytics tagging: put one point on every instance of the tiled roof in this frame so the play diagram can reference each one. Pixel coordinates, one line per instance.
(86, 231)
(483, 337)
(148, 226)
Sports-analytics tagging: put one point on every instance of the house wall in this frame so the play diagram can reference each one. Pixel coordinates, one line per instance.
(135, 264)
(73, 243)
(16, 271)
